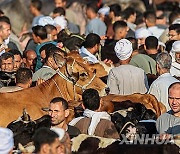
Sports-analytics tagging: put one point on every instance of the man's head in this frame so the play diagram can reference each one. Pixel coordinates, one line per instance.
(150, 18)
(91, 99)
(6, 141)
(174, 98)
(129, 14)
(120, 29)
(46, 141)
(60, 3)
(5, 28)
(24, 77)
(51, 32)
(39, 33)
(91, 10)
(176, 50)
(59, 11)
(29, 58)
(151, 43)
(51, 60)
(123, 50)
(58, 110)
(141, 34)
(35, 5)
(17, 58)
(115, 10)
(163, 62)
(92, 42)
(7, 62)
(174, 32)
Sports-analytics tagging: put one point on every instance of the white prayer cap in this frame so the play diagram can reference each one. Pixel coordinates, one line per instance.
(61, 132)
(6, 140)
(46, 20)
(61, 21)
(162, 44)
(176, 46)
(142, 33)
(177, 21)
(104, 10)
(123, 49)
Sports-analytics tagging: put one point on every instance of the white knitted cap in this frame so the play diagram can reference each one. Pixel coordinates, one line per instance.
(176, 46)
(123, 49)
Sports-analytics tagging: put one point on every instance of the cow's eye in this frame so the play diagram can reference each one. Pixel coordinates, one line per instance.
(83, 74)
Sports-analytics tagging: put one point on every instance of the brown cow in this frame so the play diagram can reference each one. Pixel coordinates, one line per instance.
(36, 98)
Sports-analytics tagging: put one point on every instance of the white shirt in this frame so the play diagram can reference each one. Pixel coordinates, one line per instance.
(85, 54)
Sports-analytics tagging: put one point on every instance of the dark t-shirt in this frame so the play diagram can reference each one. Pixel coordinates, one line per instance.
(73, 131)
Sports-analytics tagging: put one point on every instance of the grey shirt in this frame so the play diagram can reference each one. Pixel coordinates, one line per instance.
(168, 123)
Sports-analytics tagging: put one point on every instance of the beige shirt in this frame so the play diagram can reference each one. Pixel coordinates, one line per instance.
(126, 80)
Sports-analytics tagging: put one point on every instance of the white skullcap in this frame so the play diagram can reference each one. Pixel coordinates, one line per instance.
(6, 140)
(176, 46)
(162, 44)
(142, 33)
(104, 10)
(177, 21)
(46, 20)
(61, 21)
(61, 132)
(123, 49)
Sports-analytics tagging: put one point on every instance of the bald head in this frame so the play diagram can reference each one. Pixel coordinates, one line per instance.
(29, 58)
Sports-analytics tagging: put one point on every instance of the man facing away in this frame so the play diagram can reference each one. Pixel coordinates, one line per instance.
(159, 88)
(126, 79)
(94, 122)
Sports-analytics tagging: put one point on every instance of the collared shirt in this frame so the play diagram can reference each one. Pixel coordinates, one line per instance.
(85, 54)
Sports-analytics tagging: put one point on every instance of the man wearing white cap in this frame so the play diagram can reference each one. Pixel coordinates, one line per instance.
(126, 79)
(175, 53)
(6, 141)
(141, 34)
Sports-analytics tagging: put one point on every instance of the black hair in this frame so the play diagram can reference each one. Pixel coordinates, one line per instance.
(93, 7)
(43, 136)
(40, 31)
(116, 9)
(91, 40)
(23, 75)
(175, 27)
(151, 42)
(4, 19)
(37, 4)
(6, 56)
(128, 12)
(15, 52)
(49, 28)
(119, 24)
(150, 15)
(91, 99)
(60, 11)
(62, 100)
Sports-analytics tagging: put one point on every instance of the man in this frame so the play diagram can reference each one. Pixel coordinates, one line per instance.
(126, 79)
(93, 121)
(29, 59)
(35, 9)
(17, 58)
(46, 141)
(6, 141)
(95, 25)
(175, 52)
(50, 67)
(159, 88)
(129, 15)
(174, 32)
(169, 122)
(40, 37)
(23, 80)
(150, 21)
(90, 48)
(151, 46)
(7, 74)
(58, 110)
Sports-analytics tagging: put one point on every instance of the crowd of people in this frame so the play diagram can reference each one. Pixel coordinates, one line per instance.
(143, 49)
